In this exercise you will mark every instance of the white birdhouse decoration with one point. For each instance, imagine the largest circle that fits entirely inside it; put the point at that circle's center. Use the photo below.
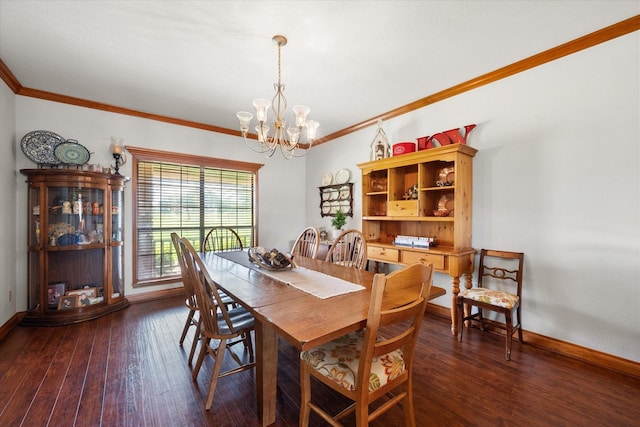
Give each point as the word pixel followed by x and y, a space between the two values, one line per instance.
pixel 380 148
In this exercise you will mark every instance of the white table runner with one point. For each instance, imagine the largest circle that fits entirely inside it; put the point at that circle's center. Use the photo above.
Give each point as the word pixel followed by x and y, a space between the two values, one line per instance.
pixel 314 282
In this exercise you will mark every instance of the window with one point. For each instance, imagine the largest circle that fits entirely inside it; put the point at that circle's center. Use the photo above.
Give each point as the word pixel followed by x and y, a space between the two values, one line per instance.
pixel 188 195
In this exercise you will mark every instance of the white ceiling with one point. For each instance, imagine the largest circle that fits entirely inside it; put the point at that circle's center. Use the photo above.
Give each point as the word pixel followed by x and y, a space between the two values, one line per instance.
pixel 348 61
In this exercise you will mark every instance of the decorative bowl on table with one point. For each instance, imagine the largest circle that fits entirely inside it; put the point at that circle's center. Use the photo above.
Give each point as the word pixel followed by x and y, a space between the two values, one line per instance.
pixel 273 259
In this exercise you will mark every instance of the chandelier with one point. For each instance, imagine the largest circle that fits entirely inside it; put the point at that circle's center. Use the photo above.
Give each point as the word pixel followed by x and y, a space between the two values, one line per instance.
pixel 287 139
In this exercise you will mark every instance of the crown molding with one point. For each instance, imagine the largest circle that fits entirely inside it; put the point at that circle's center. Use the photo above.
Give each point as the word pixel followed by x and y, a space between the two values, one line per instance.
pixel 611 32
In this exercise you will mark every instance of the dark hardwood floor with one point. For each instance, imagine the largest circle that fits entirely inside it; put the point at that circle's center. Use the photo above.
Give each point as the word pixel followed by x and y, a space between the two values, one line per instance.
pixel 126 369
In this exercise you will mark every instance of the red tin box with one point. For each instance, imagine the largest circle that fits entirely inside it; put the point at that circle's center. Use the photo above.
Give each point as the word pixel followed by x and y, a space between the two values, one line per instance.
pixel 403 148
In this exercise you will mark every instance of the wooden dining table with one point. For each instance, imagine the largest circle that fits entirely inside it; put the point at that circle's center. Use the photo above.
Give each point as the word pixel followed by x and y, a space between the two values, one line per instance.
pixel 282 310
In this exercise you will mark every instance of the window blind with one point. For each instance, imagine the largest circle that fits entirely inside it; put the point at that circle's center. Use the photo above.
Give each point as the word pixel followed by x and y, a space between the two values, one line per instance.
pixel 189 200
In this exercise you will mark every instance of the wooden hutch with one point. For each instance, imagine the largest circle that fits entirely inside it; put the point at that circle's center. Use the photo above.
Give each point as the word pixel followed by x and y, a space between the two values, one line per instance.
pixel 416 207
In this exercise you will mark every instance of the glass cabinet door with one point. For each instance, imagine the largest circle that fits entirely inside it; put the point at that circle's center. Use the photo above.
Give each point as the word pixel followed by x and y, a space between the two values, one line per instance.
pixel 34 244
pixel 75 221
pixel 75 216
pixel 34 226
pixel 117 236
pixel 116 216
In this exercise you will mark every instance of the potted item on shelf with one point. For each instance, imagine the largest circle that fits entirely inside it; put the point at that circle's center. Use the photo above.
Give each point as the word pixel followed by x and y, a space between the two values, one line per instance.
pixel 338 222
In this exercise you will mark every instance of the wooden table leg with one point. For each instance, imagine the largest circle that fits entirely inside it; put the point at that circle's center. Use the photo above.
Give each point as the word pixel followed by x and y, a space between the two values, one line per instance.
pixel 455 290
pixel 266 373
pixel 467 308
pixel 458 266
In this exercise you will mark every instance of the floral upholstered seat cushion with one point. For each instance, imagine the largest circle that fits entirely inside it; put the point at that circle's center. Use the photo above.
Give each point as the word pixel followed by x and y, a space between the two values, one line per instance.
pixel 338 360
pixel 501 299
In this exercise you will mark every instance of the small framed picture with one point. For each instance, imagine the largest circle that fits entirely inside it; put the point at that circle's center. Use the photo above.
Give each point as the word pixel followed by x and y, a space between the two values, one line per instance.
pixel 89 292
pixel 84 296
pixel 68 302
pixel 54 292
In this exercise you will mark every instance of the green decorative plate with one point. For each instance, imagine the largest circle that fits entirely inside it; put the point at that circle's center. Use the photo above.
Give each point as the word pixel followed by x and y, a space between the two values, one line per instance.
pixel 72 153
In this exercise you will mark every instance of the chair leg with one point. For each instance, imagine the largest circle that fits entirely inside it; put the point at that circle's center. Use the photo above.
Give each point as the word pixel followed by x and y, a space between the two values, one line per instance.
pixel 249 346
pixel 519 325
pixel 362 413
pixel 215 375
pixel 305 395
pixel 509 333
pixel 194 344
pixel 203 352
pixel 407 404
pixel 187 325
pixel 460 308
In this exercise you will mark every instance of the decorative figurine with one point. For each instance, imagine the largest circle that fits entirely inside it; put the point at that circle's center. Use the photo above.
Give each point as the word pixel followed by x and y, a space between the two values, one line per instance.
pixel 66 207
pixel 380 148
pixel 412 192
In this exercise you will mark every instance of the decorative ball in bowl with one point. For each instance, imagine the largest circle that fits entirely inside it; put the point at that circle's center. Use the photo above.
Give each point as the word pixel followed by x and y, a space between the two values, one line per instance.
pixel 439 212
pixel 271 260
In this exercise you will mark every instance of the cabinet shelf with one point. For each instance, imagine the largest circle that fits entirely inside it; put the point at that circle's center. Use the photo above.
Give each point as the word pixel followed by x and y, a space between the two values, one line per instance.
pixel 410 218
pixel 445 188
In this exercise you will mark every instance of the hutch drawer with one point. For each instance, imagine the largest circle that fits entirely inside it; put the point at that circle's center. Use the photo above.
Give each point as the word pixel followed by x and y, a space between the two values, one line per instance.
pixel 380 253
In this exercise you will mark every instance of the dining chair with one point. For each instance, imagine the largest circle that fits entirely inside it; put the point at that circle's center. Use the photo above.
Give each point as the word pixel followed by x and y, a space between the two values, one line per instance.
pixel 349 249
pixel 375 361
pixel 190 301
pixel 499 289
pixel 307 243
pixel 221 328
pixel 222 239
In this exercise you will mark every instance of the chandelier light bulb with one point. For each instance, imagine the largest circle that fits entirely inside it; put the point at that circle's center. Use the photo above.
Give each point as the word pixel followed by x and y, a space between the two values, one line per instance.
pixel 301 114
pixel 312 128
pixel 294 135
pixel 245 120
pixel 262 106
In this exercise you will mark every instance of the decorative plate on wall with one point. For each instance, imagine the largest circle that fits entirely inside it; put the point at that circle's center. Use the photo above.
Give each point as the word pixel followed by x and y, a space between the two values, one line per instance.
pixel 72 153
pixel 39 146
pixel 344 193
pixel 343 176
pixel 327 178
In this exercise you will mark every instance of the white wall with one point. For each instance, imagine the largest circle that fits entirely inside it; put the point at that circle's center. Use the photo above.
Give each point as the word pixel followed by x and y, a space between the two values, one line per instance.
pixel 8 193
pixel 281 183
pixel 557 177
